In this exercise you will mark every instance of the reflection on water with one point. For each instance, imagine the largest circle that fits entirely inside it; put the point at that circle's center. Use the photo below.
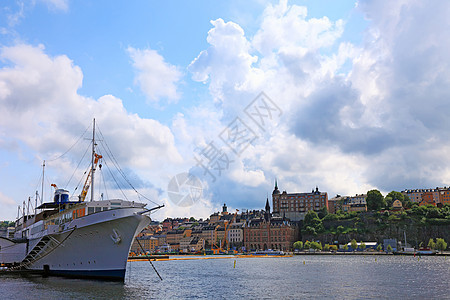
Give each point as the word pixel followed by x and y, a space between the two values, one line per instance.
pixel 349 277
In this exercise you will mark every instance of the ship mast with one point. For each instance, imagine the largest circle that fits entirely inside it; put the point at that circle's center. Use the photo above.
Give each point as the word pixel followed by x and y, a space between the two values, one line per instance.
pixel 43 173
pixel 92 162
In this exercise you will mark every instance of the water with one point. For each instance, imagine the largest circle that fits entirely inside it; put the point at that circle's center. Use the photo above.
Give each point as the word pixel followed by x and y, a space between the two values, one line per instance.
pixel 298 277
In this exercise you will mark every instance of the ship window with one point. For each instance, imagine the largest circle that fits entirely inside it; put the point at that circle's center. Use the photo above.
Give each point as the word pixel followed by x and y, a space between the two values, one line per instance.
pixel 64 198
pixel 90 210
pixel 97 209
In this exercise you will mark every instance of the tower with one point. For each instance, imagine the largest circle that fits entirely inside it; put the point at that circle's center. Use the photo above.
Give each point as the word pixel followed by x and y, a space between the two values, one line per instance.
pixel 267 210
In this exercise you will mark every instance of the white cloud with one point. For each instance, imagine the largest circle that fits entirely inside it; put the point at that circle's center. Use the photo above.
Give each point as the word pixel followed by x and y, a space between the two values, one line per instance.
pixel 226 63
pixel 156 78
pixel 61 5
pixel 356 112
pixel 43 113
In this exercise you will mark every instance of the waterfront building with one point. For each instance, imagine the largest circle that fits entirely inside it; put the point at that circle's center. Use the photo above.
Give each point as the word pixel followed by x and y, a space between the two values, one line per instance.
pixel 174 236
pixel 295 205
pixel 148 243
pixel 236 235
pixel 191 244
pixel 269 232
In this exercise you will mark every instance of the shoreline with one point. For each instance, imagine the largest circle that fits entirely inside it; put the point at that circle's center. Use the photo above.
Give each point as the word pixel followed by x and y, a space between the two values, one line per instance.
pixel 201 256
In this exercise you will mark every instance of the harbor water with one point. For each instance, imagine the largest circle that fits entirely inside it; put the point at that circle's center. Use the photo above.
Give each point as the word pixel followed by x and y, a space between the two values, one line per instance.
pixel 297 277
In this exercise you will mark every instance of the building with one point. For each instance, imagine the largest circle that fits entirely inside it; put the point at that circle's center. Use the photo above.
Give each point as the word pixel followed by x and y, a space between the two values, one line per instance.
pixel 354 203
pixel 347 203
pixel 335 204
pixel 148 243
pixel 294 206
pixel 268 232
pixel 424 196
pixel 236 235
pixel 444 195
pixel 397 205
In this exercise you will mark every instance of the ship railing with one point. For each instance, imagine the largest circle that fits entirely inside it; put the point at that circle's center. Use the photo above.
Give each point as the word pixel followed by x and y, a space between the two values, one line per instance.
pixel 43 248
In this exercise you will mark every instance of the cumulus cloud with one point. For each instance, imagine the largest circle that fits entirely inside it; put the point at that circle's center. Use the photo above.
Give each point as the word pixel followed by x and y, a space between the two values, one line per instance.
pixel 43 113
pixel 379 122
pixel 227 64
pixel 156 78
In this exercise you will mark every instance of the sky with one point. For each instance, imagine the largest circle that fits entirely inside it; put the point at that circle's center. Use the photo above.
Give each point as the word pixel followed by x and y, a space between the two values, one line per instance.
pixel 346 96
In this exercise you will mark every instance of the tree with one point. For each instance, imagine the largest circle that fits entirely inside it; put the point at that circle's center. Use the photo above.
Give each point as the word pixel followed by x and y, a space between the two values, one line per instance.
pixel 298 245
pixel 389 248
pixel 323 212
pixel 441 245
pixel 354 244
pixel 326 247
pixel 345 247
pixel 379 247
pixel 362 245
pixel 431 244
pixel 392 196
pixel 316 245
pixel 307 245
pixel 311 219
pixel 375 200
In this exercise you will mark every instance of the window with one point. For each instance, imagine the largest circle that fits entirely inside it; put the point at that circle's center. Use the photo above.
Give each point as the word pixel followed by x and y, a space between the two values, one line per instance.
pixel 90 210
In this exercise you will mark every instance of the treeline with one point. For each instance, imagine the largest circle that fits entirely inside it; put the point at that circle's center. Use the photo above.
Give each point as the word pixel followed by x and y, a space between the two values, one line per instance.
pixel 376 224
pixel 6 224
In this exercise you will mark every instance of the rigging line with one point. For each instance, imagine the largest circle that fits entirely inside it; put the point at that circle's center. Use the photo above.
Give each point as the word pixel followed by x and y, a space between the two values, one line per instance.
pixel 79 163
pixel 116 164
pixel 81 179
pixel 149 260
pixel 104 183
pixel 70 146
pixel 110 172
pixel 113 158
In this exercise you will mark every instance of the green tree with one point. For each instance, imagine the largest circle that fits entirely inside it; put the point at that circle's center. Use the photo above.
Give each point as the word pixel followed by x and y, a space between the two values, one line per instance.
pixel 394 195
pixel 345 247
pixel 389 248
pixel 354 244
pixel 307 245
pixel 363 245
pixel 431 244
pixel 311 219
pixel 323 212
pixel 326 247
pixel 441 245
pixel 379 247
pixel 375 200
pixel 298 245
pixel 316 245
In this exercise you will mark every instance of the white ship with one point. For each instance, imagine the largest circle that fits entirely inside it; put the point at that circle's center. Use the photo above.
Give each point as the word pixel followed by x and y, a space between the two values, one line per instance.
pixel 76 238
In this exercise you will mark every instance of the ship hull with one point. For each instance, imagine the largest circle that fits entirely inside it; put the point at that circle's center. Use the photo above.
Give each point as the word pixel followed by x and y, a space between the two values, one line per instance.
pixel 95 248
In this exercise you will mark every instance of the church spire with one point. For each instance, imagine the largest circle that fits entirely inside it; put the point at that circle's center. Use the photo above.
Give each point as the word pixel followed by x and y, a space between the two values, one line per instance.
pixel 275 190
pixel 267 205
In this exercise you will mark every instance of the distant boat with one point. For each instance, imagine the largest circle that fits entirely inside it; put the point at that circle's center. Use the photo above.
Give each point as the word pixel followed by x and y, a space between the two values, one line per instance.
pixel 71 237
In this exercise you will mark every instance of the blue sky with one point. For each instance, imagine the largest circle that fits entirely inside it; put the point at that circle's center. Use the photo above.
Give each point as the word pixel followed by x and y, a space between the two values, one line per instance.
pixel 362 87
